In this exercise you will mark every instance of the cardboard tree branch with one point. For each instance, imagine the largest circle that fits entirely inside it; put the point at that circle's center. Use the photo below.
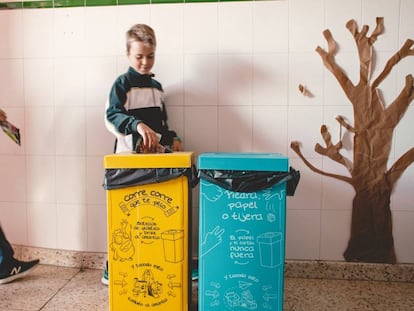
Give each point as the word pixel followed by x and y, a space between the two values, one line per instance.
pixel 371 227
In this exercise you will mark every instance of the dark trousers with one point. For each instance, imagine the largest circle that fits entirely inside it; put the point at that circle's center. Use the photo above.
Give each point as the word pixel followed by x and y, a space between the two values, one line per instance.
pixel 5 246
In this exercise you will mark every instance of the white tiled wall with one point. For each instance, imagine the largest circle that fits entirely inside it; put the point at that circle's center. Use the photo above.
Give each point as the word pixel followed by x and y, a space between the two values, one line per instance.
pixel 231 73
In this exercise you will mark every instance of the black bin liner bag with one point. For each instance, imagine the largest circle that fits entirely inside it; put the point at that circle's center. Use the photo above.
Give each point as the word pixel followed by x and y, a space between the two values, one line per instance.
pixel 251 181
pixel 126 177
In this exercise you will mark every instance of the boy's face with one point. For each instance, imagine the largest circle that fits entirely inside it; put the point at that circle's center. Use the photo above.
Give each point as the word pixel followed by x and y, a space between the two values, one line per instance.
pixel 141 57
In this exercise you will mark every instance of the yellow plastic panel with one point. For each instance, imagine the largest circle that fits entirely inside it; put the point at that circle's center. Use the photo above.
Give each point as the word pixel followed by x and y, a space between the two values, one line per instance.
pixel 148 246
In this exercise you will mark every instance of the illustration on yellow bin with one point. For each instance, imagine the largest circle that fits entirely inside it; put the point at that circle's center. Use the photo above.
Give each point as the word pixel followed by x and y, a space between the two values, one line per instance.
pixel 173 245
pixel 148 230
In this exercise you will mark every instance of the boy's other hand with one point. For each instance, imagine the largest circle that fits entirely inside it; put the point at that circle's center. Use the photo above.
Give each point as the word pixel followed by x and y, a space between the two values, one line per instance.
pixel 177 146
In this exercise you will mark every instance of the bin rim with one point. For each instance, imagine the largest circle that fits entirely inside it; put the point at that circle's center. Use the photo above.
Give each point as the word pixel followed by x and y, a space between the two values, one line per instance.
pixel 181 159
pixel 244 161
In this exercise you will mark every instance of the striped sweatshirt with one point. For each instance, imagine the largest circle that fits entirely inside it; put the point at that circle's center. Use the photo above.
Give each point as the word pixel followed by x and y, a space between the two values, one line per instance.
pixel 136 98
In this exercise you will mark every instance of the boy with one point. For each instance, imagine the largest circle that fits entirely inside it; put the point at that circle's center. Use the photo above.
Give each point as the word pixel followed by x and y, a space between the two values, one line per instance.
pixel 11 268
pixel 135 111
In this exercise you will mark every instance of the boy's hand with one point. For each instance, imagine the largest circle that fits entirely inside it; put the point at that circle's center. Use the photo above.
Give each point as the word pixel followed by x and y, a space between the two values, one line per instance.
pixel 3 116
pixel 177 145
pixel 149 138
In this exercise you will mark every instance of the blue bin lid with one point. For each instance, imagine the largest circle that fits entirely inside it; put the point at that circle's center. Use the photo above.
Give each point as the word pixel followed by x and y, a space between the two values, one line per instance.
pixel 246 161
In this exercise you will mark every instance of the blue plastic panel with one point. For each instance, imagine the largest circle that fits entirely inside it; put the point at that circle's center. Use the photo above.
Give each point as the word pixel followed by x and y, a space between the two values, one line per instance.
pixel 241 238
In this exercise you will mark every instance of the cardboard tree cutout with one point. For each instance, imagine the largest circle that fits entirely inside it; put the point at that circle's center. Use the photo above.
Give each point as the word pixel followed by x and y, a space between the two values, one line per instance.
pixel 371 237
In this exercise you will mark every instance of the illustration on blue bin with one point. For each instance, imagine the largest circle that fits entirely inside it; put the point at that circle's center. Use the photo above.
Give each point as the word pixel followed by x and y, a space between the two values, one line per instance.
pixel 211 240
pixel 270 249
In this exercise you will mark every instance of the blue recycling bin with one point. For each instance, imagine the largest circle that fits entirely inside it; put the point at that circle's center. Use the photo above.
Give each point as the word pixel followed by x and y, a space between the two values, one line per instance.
pixel 242 231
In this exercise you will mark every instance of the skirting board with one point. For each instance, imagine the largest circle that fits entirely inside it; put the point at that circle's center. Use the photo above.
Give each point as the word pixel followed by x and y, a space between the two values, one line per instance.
pixel 309 269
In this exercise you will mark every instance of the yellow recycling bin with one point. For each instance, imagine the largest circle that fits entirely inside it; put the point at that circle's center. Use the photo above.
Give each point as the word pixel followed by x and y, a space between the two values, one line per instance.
pixel 148 231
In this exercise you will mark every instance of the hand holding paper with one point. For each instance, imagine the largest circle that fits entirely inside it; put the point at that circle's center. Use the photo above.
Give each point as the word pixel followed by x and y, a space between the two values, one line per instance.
pixel 8 128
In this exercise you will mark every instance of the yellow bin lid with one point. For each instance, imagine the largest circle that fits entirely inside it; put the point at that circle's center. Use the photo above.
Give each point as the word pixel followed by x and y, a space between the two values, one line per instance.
pixel 148 160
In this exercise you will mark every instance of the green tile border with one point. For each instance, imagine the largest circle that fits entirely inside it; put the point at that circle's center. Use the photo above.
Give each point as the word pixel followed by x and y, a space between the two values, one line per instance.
pixel 45 4
pixel 129 2
pixel 38 4
pixel 200 1
pixel 11 5
pixel 68 3
pixel 100 2
pixel 166 1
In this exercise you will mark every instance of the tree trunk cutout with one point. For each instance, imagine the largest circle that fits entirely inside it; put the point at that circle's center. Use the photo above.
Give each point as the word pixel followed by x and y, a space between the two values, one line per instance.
pixel 371 237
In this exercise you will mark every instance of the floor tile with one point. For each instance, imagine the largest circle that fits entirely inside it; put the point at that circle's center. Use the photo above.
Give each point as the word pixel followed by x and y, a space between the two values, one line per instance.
pixel 54 288
pixel 36 289
pixel 84 292
pixel 341 295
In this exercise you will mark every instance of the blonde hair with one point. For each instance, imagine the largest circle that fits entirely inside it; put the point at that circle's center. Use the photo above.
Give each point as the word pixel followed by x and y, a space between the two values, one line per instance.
pixel 141 33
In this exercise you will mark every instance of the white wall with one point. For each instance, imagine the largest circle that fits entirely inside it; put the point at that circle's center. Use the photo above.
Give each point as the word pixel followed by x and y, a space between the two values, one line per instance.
pixel 231 73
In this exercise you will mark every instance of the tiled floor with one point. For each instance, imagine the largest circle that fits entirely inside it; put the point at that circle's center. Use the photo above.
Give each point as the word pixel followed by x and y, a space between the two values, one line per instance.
pixel 61 288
